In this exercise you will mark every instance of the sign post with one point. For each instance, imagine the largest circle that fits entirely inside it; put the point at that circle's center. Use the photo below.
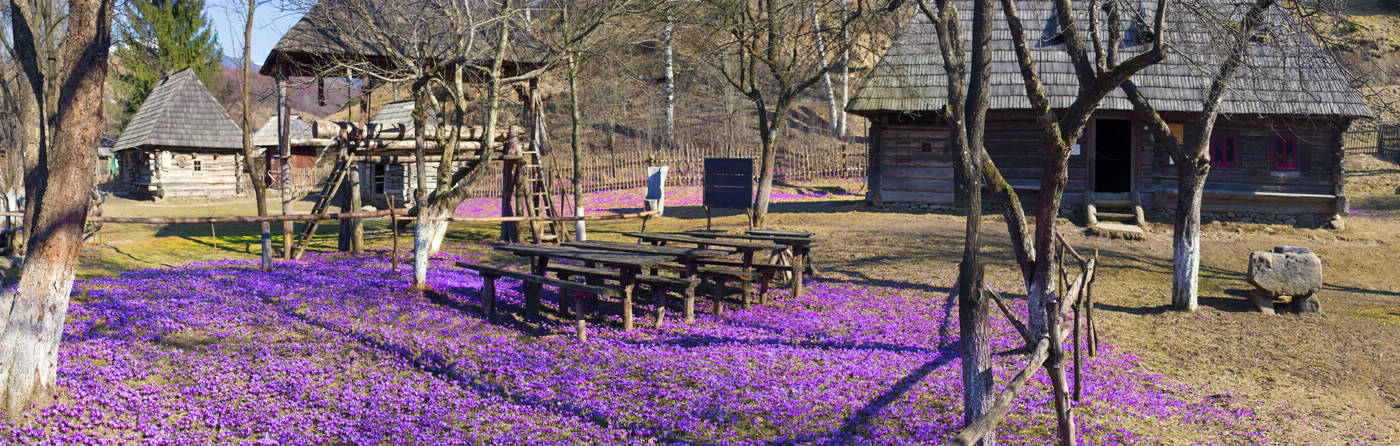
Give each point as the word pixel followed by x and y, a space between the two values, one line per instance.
pixel 728 185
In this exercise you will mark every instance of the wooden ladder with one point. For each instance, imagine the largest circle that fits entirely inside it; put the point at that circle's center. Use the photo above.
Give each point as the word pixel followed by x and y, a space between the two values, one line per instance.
pixel 537 198
pixel 328 193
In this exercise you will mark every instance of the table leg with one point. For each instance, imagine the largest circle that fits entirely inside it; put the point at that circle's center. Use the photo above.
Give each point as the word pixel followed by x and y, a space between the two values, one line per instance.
pixel 692 266
pixel 807 258
pixel 659 292
pixel 580 324
pixel 718 295
pixel 564 295
pixel 797 269
pixel 592 280
pixel 532 290
pixel 488 297
pixel 628 281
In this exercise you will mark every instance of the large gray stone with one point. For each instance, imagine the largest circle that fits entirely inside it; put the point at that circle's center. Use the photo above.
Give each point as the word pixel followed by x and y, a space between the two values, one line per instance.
pixel 1290 274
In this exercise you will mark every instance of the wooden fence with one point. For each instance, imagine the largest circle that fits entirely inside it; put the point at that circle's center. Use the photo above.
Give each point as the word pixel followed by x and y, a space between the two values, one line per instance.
pixel 1381 140
pixel 832 158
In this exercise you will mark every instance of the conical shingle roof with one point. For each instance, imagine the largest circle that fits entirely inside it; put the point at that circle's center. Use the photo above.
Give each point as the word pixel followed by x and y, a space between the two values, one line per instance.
pixel 181 113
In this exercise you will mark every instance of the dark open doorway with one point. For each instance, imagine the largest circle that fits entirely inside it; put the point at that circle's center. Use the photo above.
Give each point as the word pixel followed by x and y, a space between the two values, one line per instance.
pixel 1113 156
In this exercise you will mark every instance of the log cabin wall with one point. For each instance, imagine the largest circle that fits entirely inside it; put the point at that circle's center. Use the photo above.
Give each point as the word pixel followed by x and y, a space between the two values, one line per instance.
pixel 190 174
pixel 136 175
pixel 910 162
pixel 1254 185
pixel 398 180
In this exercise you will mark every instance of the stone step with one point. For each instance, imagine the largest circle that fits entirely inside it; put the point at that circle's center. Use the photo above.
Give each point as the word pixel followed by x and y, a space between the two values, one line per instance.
pixel 1118 231
pixel 1102 203
pixel 1116 216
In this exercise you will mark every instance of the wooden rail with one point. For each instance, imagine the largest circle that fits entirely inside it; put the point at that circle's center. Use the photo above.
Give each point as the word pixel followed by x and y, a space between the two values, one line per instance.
pixel 397 214
pixel 1047 351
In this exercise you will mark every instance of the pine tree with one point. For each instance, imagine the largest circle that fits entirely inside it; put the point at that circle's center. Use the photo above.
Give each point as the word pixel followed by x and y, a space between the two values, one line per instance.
pixel 160 37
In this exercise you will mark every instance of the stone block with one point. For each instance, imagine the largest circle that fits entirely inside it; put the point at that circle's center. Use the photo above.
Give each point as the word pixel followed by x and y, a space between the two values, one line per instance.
pixel 1305 304
pixel 1262 300
pixel 1285 274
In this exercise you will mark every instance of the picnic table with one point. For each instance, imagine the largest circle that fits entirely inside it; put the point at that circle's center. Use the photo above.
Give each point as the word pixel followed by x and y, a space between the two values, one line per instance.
pixel 800 242
pixel 744 247
pixel 690 257
pixel 628 264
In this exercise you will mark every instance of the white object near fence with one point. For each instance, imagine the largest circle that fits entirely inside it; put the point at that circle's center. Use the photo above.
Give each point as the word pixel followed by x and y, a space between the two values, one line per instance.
pixel 580 226
pixel 656 189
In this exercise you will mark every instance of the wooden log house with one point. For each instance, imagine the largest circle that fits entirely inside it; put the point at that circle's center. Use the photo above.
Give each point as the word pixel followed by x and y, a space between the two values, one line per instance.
pixel 332 41
pixel 310 159
pixel 1276 150
pixel 180 144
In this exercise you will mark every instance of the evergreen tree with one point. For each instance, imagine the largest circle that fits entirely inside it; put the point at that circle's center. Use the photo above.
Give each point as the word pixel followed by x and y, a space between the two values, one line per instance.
pixel 160 37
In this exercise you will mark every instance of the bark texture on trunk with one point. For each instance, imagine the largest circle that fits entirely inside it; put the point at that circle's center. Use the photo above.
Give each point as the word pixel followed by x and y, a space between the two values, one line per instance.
pixel 34 312
pixel 256 174
pixel 668 54
pixel 833 111
pixel 973 311
pixel 768 129
pixel 1186 240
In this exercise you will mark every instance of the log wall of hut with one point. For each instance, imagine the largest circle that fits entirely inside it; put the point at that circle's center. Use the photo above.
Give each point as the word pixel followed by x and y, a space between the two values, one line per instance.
pixel 174 173
pixel 395 180
pixel 911 162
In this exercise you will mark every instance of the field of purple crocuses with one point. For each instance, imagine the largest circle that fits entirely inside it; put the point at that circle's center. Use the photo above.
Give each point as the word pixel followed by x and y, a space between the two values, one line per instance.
pixel 342 350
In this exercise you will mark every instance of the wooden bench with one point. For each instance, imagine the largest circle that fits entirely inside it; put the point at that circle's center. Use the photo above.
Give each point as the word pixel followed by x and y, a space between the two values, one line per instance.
pixel 721 276
pixel 491 272
pixel 660 286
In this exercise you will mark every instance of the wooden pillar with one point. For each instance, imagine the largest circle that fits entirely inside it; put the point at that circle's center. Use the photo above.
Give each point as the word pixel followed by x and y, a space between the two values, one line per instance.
pixel 284 154
pixel 352 232
pixel 357 226
pixel 509 231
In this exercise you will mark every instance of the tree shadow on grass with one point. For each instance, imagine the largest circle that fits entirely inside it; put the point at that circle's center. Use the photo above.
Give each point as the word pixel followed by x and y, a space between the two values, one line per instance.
pixel 438 365
pixel 866 414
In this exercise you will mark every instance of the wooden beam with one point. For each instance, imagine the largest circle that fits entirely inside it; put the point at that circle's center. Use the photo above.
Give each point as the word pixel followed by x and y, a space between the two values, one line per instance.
pixel 975 431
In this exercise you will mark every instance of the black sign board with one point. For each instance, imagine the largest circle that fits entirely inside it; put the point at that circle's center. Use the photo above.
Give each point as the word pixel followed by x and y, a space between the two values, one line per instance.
pixel 729 183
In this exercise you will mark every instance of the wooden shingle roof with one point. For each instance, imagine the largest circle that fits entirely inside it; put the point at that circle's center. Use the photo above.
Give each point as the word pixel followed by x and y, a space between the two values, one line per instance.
pixel 1285 73
pixel 401 112
pixel 266 135
pixel 181 113
pixel 375 33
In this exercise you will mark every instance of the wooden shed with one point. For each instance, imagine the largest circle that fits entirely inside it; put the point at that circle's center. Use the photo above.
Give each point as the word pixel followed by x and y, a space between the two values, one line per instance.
pixel 310 159
pixel 384 178
pixel 1276 150
pixel 180 144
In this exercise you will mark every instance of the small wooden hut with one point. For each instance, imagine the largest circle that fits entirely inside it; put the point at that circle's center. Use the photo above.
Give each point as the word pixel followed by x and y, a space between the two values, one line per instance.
pixel 308 158
pixel 1276 153
pixel 180 144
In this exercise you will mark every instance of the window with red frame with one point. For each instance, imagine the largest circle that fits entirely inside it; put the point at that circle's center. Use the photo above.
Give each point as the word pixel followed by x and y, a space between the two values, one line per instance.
pixel 1223 153
pixel 1284 154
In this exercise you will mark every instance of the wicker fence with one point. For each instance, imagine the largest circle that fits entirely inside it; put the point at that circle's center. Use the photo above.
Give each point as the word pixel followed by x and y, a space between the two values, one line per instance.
pixel 831 158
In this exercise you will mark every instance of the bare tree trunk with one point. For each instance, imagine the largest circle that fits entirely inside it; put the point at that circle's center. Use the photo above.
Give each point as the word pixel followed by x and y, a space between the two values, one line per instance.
pixel 35 311
pixel 1186 239
pixel 833 111
pixel 256 174
pixel 283 153
pixel 979 391
pixel 575 141
pixel 421 231
pixel 769 134
pixel 845 71
pixel 669 55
